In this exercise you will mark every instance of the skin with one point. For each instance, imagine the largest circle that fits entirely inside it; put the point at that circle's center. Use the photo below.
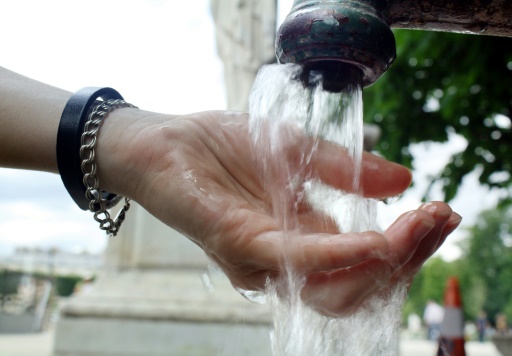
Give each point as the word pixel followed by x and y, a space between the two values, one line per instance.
pixel 196 173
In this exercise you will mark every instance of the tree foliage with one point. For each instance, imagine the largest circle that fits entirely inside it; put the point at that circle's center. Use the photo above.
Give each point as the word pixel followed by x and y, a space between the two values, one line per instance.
pixel 488 256
pixel 484 270
pixel 428 285
pixel 445 83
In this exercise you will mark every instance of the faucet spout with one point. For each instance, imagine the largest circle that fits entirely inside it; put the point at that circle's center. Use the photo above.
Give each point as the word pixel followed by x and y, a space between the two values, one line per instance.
pixel 350 32
pixel 335 76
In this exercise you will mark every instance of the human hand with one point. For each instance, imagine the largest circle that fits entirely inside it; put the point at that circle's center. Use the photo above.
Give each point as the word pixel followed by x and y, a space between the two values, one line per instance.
pixel 197 174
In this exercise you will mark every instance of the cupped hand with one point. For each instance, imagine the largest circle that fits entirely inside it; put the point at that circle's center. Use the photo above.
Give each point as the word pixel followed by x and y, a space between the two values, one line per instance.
pixel 197 174
pixel 410 241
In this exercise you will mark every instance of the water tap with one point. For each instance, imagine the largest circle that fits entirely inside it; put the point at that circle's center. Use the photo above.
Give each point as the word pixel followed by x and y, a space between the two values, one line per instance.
pixel 350 41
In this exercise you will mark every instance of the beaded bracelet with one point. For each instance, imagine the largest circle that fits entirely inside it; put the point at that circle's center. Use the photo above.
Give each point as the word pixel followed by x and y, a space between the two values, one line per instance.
pixel 76 140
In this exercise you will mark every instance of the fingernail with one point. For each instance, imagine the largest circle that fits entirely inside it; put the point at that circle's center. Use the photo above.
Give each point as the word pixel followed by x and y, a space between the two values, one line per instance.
pixel 427 206
pixel 457 217
pixel 452 224
pixel 432 208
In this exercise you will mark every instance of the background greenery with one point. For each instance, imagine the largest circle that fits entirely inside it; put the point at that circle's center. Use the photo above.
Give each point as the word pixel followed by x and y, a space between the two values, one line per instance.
pixel 64 284
pixel 443 84
pixel 470 78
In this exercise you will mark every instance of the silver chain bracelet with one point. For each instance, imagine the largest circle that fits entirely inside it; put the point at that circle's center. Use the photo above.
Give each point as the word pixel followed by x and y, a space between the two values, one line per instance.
pixel 95 196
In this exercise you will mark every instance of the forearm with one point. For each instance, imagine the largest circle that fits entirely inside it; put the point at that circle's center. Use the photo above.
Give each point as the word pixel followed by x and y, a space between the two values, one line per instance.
pixel 29 118
pixel 30 112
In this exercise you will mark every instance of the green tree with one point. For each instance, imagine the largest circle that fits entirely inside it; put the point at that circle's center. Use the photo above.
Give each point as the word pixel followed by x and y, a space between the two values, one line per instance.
pixel 429 283
pixel 488 258
pixel 473 288
pixel 66 285
pixel 437 271
pixel 445 83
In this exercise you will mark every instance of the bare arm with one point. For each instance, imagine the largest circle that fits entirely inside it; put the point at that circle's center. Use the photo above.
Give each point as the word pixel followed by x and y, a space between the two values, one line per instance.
pixel 29 118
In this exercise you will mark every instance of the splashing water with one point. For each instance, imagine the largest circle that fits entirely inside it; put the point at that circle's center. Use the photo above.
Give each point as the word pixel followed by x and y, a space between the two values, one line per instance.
pixel 286 116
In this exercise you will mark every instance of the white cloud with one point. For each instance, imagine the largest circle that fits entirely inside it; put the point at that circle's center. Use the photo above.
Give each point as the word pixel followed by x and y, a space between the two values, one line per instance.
pixel 161 55
pixel 36 211
pixel 283 8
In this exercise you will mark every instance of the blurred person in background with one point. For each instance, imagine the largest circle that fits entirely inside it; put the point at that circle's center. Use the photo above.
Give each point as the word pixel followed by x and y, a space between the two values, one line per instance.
pixel 433 317
pixel 482 323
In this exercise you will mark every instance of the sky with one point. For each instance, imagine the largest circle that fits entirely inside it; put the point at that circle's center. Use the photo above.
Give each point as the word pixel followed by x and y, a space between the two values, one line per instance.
pixel 161 56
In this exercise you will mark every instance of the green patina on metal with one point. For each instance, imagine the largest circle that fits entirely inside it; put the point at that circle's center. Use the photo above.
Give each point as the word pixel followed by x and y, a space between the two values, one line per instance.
pixel 351 32
pixel 356 33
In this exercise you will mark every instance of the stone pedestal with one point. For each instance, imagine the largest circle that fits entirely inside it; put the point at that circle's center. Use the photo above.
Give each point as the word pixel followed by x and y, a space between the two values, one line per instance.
pixel 157 296
pixel 153 338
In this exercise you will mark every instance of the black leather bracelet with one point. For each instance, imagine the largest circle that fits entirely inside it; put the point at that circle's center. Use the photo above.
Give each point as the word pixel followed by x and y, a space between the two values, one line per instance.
pixel 71 127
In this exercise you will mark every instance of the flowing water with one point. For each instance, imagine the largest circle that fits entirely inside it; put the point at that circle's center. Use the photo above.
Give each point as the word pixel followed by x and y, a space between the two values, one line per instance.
pixel 288 117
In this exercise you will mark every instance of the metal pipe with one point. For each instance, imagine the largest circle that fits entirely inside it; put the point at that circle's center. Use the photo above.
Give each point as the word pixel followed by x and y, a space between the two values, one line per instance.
pixel 487 17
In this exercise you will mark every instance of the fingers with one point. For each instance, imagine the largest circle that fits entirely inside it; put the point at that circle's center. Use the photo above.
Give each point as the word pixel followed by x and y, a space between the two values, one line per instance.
pixel 445 224
pixel 406 234
pixel 451 225
pixel 323 252
pixel 314 222
pixel 249 261
pixel 379 177
pixel 304 156
pixel 271 253
pixel 382 178
pixel 342 270
pixel 412 239
pixel 341 292
pixel 441 213
pixel 351 286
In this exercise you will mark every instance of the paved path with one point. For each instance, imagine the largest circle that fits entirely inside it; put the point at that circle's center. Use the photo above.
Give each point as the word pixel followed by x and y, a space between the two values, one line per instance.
pixel 429 348
pixel 41 345
pixel 26 344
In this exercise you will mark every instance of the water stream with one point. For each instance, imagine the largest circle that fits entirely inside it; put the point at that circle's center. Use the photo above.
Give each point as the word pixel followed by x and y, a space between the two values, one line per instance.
pixel 288 117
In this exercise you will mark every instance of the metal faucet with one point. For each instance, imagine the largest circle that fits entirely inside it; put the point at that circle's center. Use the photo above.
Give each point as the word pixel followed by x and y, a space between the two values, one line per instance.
pixel 351 41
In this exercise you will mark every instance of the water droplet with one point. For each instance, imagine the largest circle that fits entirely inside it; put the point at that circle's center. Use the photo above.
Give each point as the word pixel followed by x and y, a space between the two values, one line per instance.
pixel 253 296
pixel 207 282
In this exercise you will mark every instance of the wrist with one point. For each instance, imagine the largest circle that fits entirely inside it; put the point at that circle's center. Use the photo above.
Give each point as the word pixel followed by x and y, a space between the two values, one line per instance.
pixel 124 150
